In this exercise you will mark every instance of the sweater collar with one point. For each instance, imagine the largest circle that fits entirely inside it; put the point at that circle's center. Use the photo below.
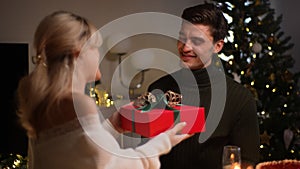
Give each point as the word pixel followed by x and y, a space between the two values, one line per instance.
pixel 203 76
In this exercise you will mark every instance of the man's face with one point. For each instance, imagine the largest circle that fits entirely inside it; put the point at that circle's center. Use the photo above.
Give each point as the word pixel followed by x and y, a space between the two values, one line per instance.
pixel 195 45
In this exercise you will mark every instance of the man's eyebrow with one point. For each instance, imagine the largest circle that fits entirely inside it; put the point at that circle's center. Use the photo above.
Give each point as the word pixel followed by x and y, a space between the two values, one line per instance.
pixel 198 37
pixel 181 33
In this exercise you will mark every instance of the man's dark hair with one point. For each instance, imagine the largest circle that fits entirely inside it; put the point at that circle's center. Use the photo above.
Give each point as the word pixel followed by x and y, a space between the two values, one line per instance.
pixel 210 15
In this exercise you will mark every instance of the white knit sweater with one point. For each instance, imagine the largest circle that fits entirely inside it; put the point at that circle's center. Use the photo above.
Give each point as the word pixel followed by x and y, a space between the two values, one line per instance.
pixel 85 143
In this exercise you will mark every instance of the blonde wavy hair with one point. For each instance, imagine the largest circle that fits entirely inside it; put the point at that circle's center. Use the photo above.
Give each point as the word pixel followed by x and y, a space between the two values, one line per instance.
pixel 58 39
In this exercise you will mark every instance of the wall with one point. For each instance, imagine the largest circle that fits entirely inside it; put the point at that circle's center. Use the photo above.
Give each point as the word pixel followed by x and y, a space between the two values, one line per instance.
pixel 290 11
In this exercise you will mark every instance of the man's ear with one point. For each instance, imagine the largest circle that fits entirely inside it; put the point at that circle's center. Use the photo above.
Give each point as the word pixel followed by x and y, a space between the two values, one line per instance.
pixel 218 46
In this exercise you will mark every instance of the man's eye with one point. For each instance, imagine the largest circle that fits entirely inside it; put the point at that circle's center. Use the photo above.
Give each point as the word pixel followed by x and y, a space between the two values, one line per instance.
pixel 197 41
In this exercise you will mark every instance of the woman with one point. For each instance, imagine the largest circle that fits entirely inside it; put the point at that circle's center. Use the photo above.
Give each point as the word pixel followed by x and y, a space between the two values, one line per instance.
pixel 63 125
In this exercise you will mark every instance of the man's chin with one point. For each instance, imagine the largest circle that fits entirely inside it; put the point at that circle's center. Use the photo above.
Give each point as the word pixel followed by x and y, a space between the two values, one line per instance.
pixel 190 66
pixel 186 65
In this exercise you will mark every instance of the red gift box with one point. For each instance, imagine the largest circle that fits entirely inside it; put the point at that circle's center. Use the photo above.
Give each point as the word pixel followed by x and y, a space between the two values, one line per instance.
pixel 151 123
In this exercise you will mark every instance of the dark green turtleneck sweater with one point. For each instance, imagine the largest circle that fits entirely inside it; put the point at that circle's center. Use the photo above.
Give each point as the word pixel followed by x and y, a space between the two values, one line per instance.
pixel 238 123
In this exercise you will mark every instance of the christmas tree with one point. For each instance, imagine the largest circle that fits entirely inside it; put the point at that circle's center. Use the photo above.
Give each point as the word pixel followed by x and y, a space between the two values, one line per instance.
pixel 256 53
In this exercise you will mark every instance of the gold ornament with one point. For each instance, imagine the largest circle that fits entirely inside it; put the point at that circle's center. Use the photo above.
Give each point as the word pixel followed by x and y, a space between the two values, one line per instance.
pixel 173 98
pixel 145 99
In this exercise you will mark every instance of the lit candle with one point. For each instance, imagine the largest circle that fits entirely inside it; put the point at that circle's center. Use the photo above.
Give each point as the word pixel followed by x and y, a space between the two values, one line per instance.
pixel 236 166
pixel 232 166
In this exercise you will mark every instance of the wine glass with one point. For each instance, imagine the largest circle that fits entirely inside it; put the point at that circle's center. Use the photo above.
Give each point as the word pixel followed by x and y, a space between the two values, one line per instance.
pixel 231 157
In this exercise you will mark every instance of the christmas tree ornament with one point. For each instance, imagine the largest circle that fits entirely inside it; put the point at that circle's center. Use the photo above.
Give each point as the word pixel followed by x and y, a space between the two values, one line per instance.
pixel 265 138
pixel 256 47
pixel 287 137
pixel 271 39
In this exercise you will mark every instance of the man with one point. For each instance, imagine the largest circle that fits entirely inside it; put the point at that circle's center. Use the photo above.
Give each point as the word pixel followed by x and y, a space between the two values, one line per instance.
pixel 232 123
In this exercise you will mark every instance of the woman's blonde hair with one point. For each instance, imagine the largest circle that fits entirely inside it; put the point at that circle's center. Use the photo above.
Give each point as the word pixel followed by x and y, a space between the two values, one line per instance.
pixel 58 40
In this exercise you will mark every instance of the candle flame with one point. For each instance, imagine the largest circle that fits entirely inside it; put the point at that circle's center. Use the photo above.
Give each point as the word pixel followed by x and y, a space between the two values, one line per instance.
pixel 232 156
pixel 237 167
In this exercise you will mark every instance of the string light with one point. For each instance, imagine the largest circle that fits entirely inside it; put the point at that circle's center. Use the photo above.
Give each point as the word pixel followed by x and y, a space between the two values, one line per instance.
pixel 225 58
pixel 259 23
pixel 101 97
pixel 230 38
pixel 92 92
pixel 247 20
pixel 13 161
pixel 249 60
pixel 270 53
pixel 229 5
pixel 16 163
pixel 228 18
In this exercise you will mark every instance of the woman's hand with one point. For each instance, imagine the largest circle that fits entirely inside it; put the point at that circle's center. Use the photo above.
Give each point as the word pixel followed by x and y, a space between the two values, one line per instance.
pixel 115 121
pixel 176 138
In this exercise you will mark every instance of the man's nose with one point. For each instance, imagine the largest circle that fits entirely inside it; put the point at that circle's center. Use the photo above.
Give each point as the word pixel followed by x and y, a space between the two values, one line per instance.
pixel 187 46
